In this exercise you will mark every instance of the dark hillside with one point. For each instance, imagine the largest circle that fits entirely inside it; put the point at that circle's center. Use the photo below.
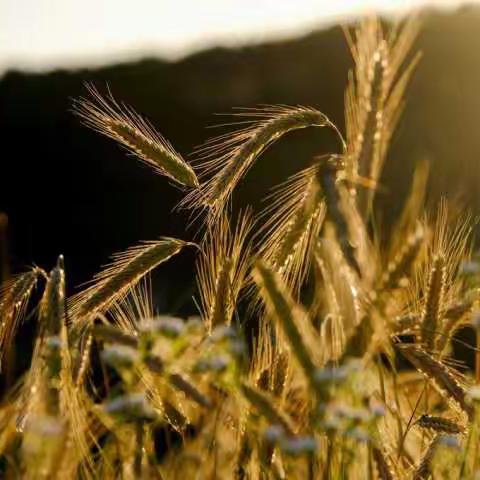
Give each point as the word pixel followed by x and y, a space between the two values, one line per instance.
pixel 67 190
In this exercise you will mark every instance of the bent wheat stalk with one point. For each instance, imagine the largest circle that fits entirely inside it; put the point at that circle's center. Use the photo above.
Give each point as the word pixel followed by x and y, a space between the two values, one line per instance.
pixel 239 151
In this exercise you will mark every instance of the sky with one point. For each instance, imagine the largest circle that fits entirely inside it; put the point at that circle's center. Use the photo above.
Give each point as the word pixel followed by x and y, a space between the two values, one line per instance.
pixel 46 34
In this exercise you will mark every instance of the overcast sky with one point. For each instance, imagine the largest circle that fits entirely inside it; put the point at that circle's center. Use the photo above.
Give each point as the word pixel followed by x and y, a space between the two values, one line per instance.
pixel 44 34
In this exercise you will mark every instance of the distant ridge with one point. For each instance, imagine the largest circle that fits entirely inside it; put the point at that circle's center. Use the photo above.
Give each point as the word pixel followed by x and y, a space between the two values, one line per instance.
pixel 109 202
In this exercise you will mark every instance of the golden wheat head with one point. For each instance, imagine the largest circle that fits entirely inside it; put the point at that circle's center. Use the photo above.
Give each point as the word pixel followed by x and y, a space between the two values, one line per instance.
pixel 122 124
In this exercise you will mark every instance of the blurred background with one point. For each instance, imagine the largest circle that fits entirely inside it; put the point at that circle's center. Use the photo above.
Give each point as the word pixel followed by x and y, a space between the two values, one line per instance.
pixel 65 189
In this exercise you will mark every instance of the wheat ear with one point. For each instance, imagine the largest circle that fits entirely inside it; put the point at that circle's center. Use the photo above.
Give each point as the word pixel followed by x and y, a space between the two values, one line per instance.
pixel 439 424
pixel 127 269
pixel 229 157
pixel 265 404
pixel 137 135
pixel 327 176
pixel 65 398
pixel 423 470
pixel 270 365
pixel 453 317
pixel 48 390
pixel 412 209
pixel 399 267
pixel 374 97
pixel 292 225
pixel 433 309
pixel 222 269
pixel 340 312
pixel 53 320
pixel 52 307
pixel 14 298
pixel 372 132
pixel 439 374
pixel 383 468
pixel 290 316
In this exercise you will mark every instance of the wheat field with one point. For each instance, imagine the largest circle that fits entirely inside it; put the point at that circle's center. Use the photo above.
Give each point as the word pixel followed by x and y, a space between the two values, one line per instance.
pixel 348 371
